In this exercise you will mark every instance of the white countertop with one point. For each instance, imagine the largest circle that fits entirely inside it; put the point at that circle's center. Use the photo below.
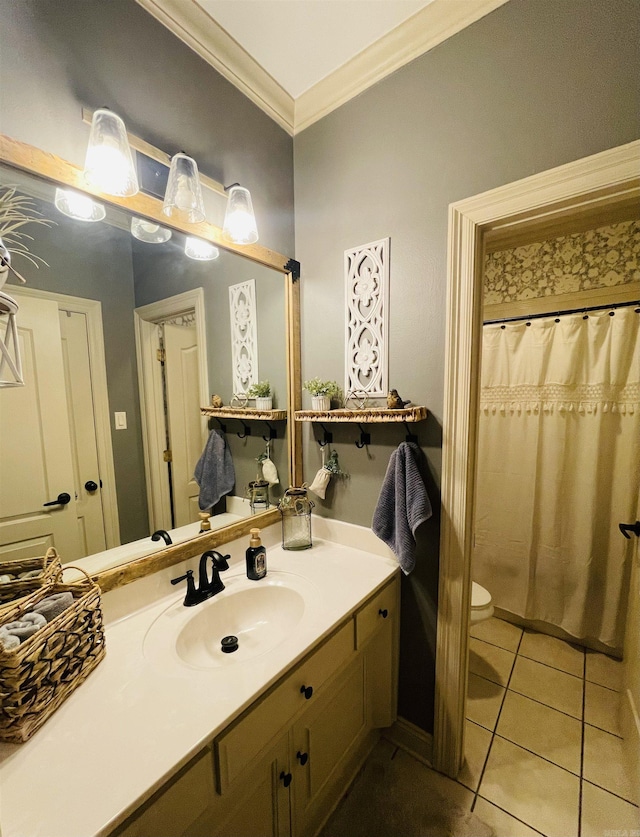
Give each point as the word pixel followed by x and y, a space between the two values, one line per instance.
pixel 131 725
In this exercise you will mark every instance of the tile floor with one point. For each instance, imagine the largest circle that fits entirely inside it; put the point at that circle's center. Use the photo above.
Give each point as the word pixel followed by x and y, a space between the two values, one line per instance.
pixel 543 747
pixel 543 753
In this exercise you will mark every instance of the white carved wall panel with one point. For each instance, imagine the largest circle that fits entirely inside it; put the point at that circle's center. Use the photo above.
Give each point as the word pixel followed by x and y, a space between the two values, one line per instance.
pixel 366 272
pixel 244 337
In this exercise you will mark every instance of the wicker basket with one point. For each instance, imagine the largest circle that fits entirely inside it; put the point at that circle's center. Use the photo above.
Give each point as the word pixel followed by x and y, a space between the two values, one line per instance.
pixel 38 675
pixel 11 591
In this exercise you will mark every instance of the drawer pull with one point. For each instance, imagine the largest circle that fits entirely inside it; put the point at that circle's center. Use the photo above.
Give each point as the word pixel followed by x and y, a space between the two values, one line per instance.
pixel 286 778
pixel 307 691
pixel 384 613
pixel 303 758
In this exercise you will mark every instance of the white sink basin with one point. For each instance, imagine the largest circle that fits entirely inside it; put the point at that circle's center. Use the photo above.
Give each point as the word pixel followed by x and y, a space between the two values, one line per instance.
pixel 261 614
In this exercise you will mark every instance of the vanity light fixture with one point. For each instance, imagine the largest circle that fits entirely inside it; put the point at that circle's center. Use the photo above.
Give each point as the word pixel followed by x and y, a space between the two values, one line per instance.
pixel 183 198
pixel 239 220
pixel 149 232
pixel 78 206
pixel 109 164
pixel 197 248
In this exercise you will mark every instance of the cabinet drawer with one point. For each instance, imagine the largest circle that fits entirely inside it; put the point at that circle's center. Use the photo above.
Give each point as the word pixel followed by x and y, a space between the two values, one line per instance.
pixel 378 611
pixel 236 748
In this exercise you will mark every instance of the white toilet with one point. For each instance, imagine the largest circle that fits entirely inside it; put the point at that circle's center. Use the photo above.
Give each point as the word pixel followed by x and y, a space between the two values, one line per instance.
pixel 481 606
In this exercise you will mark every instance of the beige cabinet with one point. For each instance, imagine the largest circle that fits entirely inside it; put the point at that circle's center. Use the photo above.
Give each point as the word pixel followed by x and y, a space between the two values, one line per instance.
pixel 280 769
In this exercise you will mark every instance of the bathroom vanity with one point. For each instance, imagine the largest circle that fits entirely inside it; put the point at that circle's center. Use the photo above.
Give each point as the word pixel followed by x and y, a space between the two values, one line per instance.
pixel 170 738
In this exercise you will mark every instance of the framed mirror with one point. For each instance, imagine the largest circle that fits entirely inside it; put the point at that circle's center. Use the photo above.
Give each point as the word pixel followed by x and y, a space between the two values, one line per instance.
pixel 123 341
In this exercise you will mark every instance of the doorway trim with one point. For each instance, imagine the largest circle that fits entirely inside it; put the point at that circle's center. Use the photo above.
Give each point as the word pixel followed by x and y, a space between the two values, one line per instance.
pixel 92 309
pixel 590 187
pixel 146 318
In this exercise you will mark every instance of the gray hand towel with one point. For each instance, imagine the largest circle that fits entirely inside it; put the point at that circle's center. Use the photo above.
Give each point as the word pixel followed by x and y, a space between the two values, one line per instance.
pixel 8 641
pixel 403 504
pixel 25 627
pixel 54 605
pixel 214 472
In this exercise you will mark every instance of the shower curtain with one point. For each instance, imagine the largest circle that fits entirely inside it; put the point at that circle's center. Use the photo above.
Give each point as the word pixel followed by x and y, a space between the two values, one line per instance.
pixel 558 469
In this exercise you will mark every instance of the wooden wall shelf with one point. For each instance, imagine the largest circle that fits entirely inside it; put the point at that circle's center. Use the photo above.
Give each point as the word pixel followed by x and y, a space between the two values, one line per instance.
pixel 368 416
pixel 244 413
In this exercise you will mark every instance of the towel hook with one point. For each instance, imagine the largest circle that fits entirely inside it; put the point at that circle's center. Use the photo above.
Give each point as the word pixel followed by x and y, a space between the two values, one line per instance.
pixel 246 432
pixel 273 433
pixel 328 437
pixel 411 437
pixel 365 438
pixel 223 427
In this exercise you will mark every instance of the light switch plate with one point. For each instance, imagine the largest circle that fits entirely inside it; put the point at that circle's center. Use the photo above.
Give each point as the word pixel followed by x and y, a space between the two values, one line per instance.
pixel 121 421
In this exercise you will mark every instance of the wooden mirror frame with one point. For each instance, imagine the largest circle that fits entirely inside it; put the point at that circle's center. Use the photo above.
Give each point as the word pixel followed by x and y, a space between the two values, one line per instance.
pixel 30 159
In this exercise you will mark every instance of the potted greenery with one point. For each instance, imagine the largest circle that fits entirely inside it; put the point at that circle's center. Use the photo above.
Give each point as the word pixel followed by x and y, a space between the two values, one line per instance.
pixel 262 394
pixel 17 210
pixel 321 393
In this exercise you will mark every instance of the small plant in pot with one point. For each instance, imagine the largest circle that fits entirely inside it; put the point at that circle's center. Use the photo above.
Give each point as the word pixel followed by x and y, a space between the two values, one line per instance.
pixel 262 394
pixel 321 393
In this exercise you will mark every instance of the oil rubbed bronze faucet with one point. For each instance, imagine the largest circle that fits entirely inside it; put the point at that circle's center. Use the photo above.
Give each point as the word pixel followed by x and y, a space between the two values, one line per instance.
pixel 162 533
pixel 206 587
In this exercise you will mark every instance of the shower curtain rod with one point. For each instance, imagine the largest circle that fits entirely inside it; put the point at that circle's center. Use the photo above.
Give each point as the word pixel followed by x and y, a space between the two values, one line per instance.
pixel 560 313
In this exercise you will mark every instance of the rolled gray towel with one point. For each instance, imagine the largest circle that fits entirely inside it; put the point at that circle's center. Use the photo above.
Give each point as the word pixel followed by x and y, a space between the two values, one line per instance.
pixel 25 627
pixel 31 574
pixel 8 641
pixel 53 605
pixel 5 579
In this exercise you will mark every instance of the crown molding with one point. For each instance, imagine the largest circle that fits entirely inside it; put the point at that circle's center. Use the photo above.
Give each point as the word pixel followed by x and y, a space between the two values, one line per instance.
pixel 199 31
pixel 418 34
pixel 426 29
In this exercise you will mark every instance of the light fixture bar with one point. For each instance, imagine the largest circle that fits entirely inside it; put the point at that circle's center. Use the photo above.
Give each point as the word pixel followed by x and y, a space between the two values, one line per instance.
pixel 156 154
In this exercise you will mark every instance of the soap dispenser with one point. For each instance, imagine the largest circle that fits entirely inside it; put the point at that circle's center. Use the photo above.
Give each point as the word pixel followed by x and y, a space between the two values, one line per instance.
pixel 256 557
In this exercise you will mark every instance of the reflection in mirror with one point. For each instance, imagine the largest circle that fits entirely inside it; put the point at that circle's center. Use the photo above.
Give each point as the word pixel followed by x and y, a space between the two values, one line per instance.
pixel 123 341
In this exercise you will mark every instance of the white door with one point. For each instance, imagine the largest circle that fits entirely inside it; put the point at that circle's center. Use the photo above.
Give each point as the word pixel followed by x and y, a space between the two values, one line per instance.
pixel 630 706
pixel 35 447
pixel 84 446
pixel 185 424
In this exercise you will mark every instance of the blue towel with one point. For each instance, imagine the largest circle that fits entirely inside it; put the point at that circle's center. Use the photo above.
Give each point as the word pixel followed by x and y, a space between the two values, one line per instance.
pixel 214 472
pixel 403 504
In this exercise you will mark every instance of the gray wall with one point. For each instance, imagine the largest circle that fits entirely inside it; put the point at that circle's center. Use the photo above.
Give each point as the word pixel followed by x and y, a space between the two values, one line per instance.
pixel 535 84
pixel 59 56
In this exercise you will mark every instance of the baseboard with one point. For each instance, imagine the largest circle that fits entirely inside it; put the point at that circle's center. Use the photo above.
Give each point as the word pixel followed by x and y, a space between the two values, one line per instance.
pixel 630 723
pixel 411 738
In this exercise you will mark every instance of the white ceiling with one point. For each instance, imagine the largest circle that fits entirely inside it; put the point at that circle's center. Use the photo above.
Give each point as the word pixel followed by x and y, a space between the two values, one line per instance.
pixel 300 59
pixel 300 42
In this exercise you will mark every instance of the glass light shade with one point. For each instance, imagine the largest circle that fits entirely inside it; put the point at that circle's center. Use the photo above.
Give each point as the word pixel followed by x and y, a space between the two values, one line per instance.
pixel 78 206
pixel 201 250
pixel 183 198
pixel 239 220
pixel 147 231
pixel 109 164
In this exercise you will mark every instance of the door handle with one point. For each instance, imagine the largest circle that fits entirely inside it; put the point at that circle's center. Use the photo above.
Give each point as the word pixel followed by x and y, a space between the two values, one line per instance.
pixel 625 528
pixel 286 778
pixel 90 485
pixel 64 498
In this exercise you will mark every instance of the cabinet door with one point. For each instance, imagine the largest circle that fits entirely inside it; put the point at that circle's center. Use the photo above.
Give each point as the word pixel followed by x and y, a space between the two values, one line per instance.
pixel 261 800
pixel 377 632
pixel 324 747
pixel 172 811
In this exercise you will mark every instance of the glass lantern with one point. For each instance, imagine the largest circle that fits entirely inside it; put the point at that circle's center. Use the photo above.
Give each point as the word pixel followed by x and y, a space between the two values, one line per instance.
pixel 258 495
pixel 295 509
